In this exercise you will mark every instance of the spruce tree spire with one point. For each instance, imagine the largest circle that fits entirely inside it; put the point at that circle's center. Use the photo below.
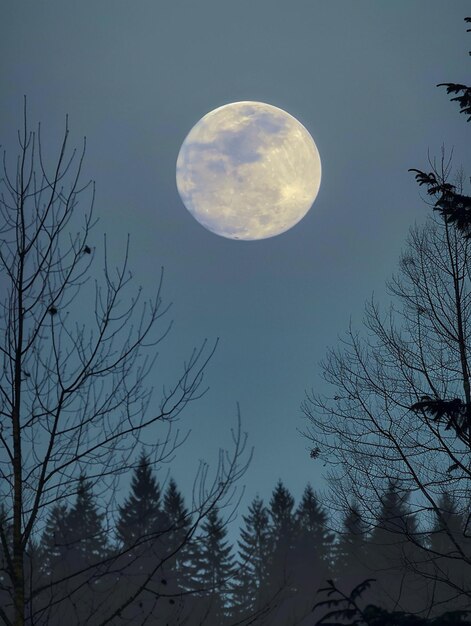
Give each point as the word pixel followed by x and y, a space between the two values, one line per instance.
pixel 140 516
pixel 87 538
pixel 254 553
pixel 216 565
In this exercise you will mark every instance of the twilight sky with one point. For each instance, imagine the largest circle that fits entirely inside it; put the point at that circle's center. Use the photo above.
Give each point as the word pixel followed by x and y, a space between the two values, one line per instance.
pixel 134 78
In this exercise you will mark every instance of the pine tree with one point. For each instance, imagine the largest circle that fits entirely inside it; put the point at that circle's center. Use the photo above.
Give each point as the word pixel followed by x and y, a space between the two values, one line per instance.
pixel 312 523
pixel 178 537
pixel 392 551
pixel 447 532
pixel 142 530
pixel 350 548
pixel 55 541
pixel 254 554
pixel 312 553
pixel 73 541
pixel 140 517
pixel 281 582
pixel 448 543
pixel 87 539
pixel 283 530
pixel 350 567
pixel 216 566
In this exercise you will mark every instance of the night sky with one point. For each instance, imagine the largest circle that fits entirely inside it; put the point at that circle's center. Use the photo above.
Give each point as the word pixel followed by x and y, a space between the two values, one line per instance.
pixel 134 77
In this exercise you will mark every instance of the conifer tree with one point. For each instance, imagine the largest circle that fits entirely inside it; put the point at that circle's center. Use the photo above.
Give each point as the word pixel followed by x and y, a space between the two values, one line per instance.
pixel 140 516
pixel 313 528
pixel 448 541
pixel 448 528
pixel 281 513
pixel 74 540
pixel 142 532
pixel 55 541
pixel 281 581
pixel 216 566
pixel 87 537
pixel 254 554
pixel 312 551
pixel 393 553
pixel 350 548
pixel 179 535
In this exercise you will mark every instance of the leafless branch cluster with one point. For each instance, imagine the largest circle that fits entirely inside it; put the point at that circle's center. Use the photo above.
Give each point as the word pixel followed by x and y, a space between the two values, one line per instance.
pixel 76 351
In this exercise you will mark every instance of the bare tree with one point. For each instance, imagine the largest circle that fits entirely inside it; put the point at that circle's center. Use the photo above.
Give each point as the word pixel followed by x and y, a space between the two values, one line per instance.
pixel 373 427
pixel 75 353
pixel 400 406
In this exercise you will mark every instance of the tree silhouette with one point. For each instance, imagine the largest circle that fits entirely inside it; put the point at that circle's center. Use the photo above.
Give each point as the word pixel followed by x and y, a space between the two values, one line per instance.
pixel 400 392
pixel 282 560
pixel 250 586
pixel 72 393
pixel 140 517
pixel 73 545
pixel 216 567
pixel 312 524
pixel 350 547
pixel 392 551
pixel 87 537
pixel 55 540
pixel 312 552
pixel 179 536
pixel 283 530
pixel 446 565
pixel 341 608
pixel 454 207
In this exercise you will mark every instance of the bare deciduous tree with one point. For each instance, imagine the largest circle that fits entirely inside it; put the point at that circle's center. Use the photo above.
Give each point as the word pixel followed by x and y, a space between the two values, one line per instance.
pixel 400 407
pixel 75 354
pixel 372 427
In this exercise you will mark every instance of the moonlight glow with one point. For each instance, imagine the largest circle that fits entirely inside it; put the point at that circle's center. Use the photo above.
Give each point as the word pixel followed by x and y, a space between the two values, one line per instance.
pixel 248 170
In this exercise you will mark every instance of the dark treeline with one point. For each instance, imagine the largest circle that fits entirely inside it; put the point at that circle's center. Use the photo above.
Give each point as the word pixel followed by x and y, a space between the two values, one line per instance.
pixel 284 554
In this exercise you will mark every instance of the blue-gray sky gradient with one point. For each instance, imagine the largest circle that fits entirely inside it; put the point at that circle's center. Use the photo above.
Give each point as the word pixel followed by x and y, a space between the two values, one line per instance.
pixel 135 77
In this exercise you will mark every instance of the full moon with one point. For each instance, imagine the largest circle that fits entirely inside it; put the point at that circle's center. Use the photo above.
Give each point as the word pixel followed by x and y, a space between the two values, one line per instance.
pixel 248 170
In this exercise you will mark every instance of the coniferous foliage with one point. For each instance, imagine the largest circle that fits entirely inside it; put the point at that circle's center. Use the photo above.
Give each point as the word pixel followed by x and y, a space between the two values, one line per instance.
pixel 350 557
pixel 352 539
pixel 455 208
pixel 268 585
pixel 249 593
pixel 340 605
pixel 178 537
pixel 449 543
pixel 342 608
pixel 393 552
pixel 216 567
pixel 143 533
pixel 455 413
pixel 283 532
pixel 140 516
pixel 312 554
pixel 394 516
pixel 87 537
pixel 312 521
pixel 55 540
pixel 462 93
pixel 73 544
pixel 282 580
